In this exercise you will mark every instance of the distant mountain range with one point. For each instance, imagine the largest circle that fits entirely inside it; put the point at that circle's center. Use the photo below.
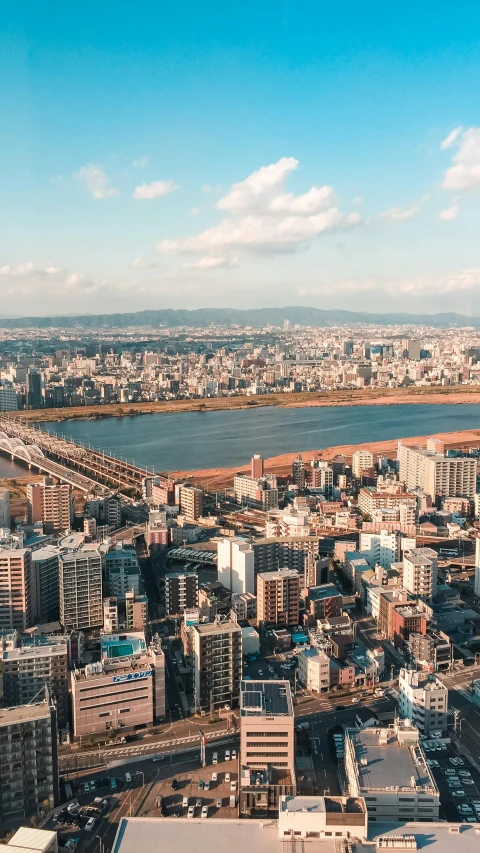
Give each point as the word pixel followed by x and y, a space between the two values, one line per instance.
pixel 204 317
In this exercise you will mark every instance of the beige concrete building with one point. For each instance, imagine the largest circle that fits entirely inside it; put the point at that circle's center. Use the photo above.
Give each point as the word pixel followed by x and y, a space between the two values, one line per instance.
pixel 50 503
pixel 423 699
pixel 190 501
pixel 267 745
pixel 314 670
pixel 362 460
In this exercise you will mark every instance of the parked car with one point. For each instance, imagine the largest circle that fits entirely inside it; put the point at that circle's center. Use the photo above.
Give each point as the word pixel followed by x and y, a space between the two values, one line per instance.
pixel 204 811
pixel 234 754
pixel 191 811
pixel 90 824
pixel 227 755
pixel 227 777
pixel 214 777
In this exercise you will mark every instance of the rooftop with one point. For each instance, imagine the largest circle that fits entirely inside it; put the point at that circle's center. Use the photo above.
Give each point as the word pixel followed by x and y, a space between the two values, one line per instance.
pixel 24 714
pixel 162 835
pixel 27 838
pixel 266 699
pixel 34 651
pixel 317 593
pixel 383 763
pixel 319 805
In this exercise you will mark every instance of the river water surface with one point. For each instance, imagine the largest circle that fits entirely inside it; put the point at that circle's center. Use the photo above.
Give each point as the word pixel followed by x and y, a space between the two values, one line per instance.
pixel 192 440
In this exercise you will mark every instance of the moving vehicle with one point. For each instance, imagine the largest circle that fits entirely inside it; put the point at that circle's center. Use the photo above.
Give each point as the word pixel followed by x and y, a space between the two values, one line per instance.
pixel 90 824
pixel 159 758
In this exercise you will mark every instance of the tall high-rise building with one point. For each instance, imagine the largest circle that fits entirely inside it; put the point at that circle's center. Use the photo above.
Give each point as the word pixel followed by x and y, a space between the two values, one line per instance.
pixel 278 595
pixel 4 509
pixel 46 584
pixel 15 589
pixel 436 474
pixel 423 699
pixel 235 565
pixel 321 476
pixel 217 653
pixel 181 592
pixel 256 467
pixel 28 759
pixel 50 503
pixel 81 589
pixel 420 568
pixel 34 390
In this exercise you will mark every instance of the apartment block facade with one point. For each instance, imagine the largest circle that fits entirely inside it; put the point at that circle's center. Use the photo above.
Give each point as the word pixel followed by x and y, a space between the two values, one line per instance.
pixel 81 589
pixel 49 503
pixel 28 759
pixel 217 655
pixel 423 699
pixel 15 589
pixel 29 668
pixel 181 592
pixel 278 597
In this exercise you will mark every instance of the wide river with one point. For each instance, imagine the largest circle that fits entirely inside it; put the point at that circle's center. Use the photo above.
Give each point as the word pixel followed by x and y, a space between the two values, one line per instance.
pixel 192 440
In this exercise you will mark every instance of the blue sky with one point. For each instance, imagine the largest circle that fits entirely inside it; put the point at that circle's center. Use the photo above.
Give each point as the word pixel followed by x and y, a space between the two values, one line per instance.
pixel 274 153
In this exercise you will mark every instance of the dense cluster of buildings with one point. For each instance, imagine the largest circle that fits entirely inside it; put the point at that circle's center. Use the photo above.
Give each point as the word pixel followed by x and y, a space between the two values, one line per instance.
pixel 221 362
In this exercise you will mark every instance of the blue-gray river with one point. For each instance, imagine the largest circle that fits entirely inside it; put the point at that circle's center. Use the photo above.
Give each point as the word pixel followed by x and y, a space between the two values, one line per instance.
pixel 193 440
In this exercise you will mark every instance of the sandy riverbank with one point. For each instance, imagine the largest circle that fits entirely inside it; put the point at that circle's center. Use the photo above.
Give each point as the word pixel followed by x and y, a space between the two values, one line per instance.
pixel 365 397
pixel 219 478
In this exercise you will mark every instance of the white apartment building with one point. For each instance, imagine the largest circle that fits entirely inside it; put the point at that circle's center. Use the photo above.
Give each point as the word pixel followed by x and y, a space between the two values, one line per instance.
pixel 435 473
pixel 81 589
pixel 385 547
pixel 235 565
pixel 420 569
pixel 288 522
pixel 361 460
pixel 423 699
pixel 314 670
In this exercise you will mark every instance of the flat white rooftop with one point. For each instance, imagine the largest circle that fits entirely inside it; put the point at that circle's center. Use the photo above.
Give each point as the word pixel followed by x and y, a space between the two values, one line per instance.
pixel 164 835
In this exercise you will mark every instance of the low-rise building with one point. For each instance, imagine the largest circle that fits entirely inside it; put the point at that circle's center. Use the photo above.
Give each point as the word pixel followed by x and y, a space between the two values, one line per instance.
pixel 388 768
pixel 314 670
pixel 118 692
pixel 311 818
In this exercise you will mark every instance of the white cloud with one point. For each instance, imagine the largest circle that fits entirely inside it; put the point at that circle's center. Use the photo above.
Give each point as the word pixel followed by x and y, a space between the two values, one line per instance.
pixel 398 214
pixel 97 181
pixel 140 263
pixel 252 192
pixel 357 200
pixel 465 173
pixel 449 213
pixel 51 281
pixel 464 281
pixel 265 219
pixel 194 211
pixel 141 162
pixel 451 138
pixel 211 263
pixel 157 189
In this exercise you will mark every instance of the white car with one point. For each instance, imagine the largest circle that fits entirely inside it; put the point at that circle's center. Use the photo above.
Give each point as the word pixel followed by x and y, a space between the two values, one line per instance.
pixel 214 777
pixel 90 824
pixel 227 777
pixel 234 753
pixel 191 811
pixel 227 755
pixel 204 811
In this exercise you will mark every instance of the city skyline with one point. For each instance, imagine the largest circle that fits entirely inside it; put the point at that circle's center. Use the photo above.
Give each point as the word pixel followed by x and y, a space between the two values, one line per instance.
pixel 250 157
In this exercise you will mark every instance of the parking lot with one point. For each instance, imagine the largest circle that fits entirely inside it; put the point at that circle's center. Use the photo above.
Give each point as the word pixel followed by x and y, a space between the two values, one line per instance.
pixel 457 780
